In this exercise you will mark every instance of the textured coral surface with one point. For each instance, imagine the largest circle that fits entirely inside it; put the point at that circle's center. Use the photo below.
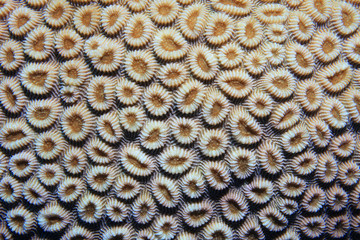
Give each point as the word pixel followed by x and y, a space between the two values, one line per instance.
pixel 179 119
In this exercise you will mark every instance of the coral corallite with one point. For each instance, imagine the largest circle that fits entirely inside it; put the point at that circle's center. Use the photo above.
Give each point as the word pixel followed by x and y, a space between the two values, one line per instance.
pixel 179 119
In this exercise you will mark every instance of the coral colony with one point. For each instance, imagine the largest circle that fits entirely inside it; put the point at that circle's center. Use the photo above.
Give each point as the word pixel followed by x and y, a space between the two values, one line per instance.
pixel 179 119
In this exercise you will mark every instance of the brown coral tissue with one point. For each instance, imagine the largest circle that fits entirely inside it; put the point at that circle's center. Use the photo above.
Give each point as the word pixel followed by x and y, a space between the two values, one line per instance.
pixel 179 119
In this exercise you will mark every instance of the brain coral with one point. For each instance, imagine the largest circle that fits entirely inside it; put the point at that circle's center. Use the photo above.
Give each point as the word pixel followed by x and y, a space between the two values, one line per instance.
pixel 179 119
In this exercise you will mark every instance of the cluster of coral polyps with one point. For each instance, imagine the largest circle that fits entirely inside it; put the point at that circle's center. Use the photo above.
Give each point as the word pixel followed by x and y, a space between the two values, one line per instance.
pixel 165 119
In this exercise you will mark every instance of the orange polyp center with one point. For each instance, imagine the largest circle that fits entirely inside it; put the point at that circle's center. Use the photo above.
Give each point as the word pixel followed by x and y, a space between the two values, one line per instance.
pixel 70 190
pixel 242 163
pixel 9 56
pixel 139 66
pixel 245 129
pixel 345 145
pixel 357 49
pixel 101 178
pixel 302 26
pixel 275 52
pixel 250 30
pixel 21 21
pixel 202 63
pixel 231 54
pixel 108 128
pixel 8 189
pixel 76 123
pixel 260 191
pixel 127 188
pixel 300 59
pixel 192 19
pixel 219 28
pixel 311 95
pixel 100 152
pixel 351 174
pixel 329 172
pixel 86 18
pixel 216 174
pixel 235 3
pixel 319 5
pixel 94 45
pixel 198 214
pixel 15 135
pixel 271 159
pixel 39 43
pixel 313 226
pixel 137 30
pixel 144 210
pixel 273 12
pixel 107 57
pixel 135 162
pixel 338 76
pixel 10 96
pixel 38 77
pixel 185 130
pixel 328 46
pixel 287 116
pixel 256 62
pixel 113 17
pixel 127 92
pixel 165 192
pixel 192 186
pixel 218 235
pixel 116 211
pixel 173 74
pixel 238 84
pixel 292 186
pixel 260 104
pixel 42 113
pixel 169 44
pixel 166 228
pixel 277 32
pixel 176 161
pixel 90 210
pixel 153 136
pixel 164 9
pixel 296 139
pixel 336 113
pixel 18 220
pixel 214 144
pixel 216 109
pixel 72 73
pixel 49 174
pixel 131 118
pixel 74 161
pixel 21 164
pixel 320 133
pixel 48 145
pixel 190 96
pixel 281 82
pixel 68 43
pixel 57 12
pixel 68 93
pixel 100 93
pixel 347 18
pixel 314 200
pixel 305 163
pixel 356 101
pixel 157 101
